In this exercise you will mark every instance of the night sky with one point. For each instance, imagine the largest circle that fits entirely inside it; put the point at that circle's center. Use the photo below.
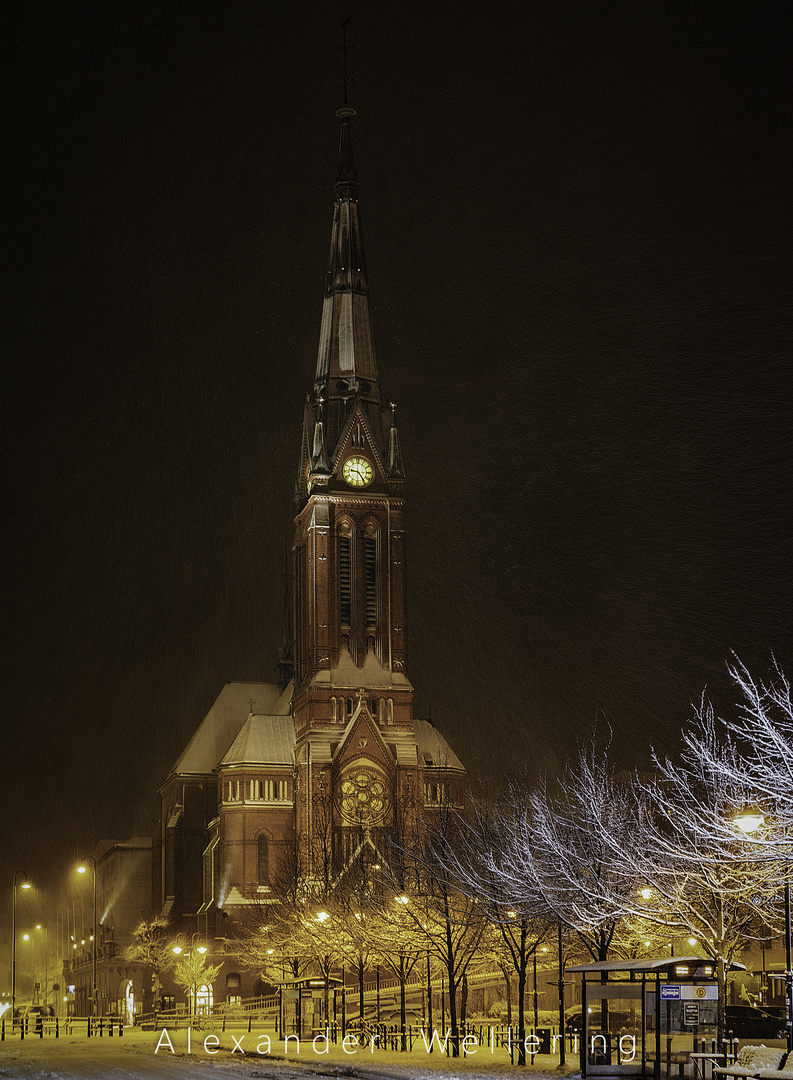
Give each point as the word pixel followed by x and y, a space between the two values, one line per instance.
pixel 575 237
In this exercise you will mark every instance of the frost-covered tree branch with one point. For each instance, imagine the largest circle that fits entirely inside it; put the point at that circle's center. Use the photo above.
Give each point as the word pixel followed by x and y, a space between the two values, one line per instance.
pixel 750 755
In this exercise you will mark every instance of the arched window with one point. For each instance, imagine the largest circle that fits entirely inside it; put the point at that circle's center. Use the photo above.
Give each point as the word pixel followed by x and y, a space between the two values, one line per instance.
pixel 264 860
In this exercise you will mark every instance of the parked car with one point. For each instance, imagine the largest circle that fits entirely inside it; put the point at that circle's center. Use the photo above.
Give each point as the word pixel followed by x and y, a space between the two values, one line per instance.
pixel 749 1022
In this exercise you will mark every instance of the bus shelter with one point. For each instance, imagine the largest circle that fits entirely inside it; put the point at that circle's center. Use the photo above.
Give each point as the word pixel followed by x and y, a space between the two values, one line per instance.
pixel 301 1003
pixel 644 1017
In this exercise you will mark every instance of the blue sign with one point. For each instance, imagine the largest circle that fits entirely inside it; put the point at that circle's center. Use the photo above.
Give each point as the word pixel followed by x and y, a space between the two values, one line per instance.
pixel 670 993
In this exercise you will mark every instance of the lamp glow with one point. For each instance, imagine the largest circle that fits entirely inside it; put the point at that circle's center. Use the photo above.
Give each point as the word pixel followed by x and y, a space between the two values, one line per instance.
pixel 749 820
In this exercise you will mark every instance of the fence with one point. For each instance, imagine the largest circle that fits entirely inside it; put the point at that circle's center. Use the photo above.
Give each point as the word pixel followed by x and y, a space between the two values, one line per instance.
pixel 27 1027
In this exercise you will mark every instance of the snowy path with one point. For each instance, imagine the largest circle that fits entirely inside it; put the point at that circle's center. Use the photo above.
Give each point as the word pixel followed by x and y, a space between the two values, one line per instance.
pixel 136 1058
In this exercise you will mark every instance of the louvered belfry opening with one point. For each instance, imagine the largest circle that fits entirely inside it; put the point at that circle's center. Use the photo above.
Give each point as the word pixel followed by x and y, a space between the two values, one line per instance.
pixel 345 582
pixel 370 582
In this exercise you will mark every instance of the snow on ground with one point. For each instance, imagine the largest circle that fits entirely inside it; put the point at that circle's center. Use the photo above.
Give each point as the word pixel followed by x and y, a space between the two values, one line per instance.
pixel 145 1055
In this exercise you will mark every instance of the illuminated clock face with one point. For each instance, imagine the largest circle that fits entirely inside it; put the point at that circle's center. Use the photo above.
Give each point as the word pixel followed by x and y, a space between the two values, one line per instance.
pixel 357 471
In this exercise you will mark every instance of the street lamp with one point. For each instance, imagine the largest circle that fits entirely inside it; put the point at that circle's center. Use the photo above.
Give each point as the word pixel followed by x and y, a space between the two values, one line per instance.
pixel 46 962
pixel 25 885
pixel 82 870
pixel 178 949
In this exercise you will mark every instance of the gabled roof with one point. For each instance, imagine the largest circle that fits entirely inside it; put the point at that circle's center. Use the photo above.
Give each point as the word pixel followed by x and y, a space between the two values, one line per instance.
pixel 433 748
pixel 373 438
pixel 263 740
pixel 362 720
pixel 221 725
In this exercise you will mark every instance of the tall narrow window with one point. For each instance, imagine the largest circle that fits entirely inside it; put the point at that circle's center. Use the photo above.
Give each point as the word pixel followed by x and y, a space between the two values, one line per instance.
pixel 264 860
pixel 345 581
pixel 370 579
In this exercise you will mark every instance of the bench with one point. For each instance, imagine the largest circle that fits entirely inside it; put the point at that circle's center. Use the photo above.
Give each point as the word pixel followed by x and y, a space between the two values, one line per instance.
pixel 754 1060
pixel 784 1071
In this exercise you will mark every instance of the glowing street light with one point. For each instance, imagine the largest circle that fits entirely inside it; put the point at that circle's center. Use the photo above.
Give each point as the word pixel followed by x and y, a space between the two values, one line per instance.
pixel 178 949
pixel 749 820
pixel 81 869
pixel 25 885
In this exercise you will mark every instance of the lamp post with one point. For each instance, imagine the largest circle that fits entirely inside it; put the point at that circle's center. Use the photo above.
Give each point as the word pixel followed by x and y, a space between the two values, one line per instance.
pixel 82 870
pixel 178 950
pixel 28 937
pixel 25 885
pixel 46 961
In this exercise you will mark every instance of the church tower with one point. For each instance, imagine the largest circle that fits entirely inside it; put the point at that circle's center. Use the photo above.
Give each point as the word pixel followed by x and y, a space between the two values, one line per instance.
pixel 356 750
pixel 306 774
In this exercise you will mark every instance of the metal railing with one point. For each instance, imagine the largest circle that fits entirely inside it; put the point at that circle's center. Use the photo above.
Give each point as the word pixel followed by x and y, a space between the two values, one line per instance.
pixel 27 1027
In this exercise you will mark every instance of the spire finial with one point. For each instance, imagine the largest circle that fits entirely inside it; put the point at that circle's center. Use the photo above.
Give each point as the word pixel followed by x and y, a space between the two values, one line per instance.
pixel 344 24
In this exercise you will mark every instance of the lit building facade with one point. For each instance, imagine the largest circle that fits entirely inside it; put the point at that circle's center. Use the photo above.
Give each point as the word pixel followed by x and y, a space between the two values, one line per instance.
pixel 123 900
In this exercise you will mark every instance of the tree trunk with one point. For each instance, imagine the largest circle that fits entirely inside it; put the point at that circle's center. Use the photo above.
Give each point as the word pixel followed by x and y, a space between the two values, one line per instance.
pixel 402 1015
pixel 522 1010
pixel 453 1009
pixel 721 978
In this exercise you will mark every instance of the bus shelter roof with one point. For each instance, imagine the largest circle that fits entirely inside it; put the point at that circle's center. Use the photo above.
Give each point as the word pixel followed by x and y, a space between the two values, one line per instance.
pixel 647 964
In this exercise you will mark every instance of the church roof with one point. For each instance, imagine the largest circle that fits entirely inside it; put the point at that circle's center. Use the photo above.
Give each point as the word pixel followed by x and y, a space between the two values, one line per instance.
pixel 221 725
pixel 433 748
pixel 373 674
pixel 263 740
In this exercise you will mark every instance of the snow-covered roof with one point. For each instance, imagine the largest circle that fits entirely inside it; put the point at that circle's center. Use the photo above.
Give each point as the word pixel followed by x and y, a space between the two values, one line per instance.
pixel 650 964
pixel 221 725
pixel 433 748
pixel 373 675
pixel 263 740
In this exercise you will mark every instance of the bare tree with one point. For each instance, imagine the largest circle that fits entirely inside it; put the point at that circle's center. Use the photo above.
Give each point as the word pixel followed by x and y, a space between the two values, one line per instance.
pixel 750 754
pixel 518 921
pixel 396 942
pixel 690 860
pixel 151 947
pixel 192 972
pixel 560 851
pixel 447 920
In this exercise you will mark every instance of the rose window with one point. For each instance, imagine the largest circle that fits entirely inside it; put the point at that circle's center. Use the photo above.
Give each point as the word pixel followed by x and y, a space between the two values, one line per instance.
pixel 363 798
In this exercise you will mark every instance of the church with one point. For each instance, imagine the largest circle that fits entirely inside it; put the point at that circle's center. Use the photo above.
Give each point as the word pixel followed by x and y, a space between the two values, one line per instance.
pixel 320 765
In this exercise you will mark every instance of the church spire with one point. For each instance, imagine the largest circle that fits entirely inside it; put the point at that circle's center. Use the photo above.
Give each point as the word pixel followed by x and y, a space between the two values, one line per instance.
pixel 346 364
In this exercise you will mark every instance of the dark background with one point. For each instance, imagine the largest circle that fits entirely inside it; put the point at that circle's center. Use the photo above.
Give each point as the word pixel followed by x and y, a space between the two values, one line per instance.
pixel 575 237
